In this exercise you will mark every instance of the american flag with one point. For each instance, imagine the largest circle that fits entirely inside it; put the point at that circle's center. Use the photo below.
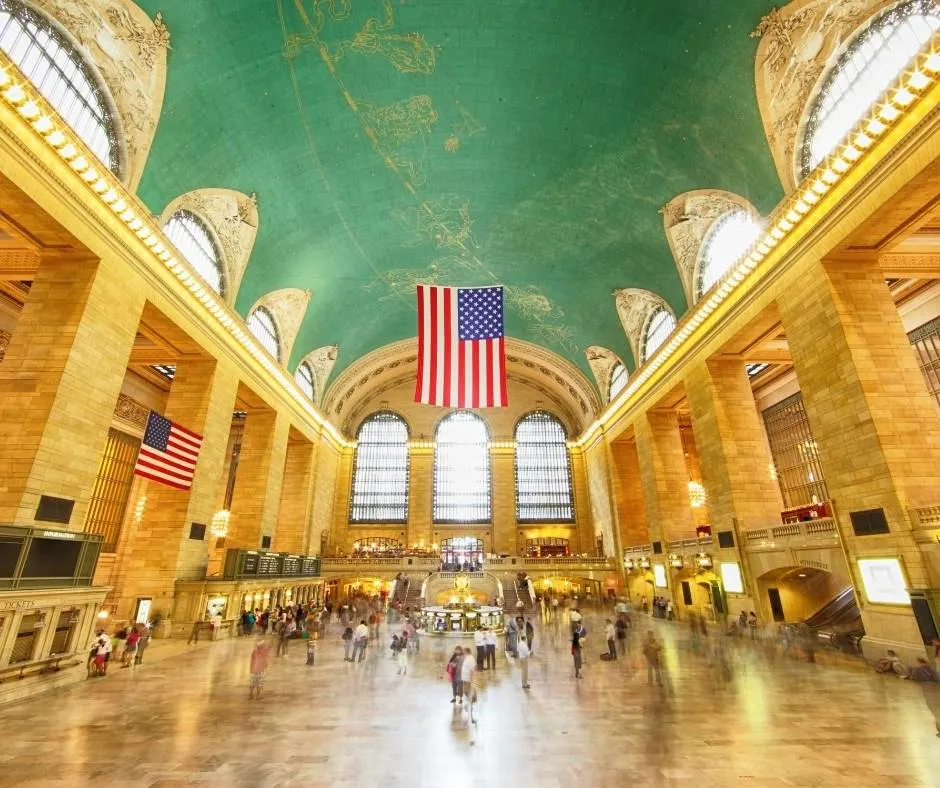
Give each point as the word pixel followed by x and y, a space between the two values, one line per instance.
pixel 168 453
pixel 461 347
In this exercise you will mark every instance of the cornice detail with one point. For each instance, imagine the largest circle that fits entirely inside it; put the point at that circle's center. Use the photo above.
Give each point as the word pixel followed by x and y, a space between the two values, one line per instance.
pixel 602 362
pixel 129 50
pixel 321 361
pixel 131 411
pixel 634 307
pixel 687 218
pixel 797 42
pixel 288 305
pixel 233 219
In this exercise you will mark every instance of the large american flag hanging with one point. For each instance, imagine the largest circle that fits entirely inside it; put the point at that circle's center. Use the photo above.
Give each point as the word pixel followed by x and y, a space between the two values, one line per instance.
pixel 168 453
pixel 461 347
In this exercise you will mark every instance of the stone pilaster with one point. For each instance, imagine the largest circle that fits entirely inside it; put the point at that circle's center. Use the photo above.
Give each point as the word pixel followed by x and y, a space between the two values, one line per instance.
pixel 873 421
pixel 293 523
pixel 505 532
pixel 734 458
pixel 258 482
pixel 160 551
pixel 421 476
pixel 59 382
pixel 663 475
pixel 628 494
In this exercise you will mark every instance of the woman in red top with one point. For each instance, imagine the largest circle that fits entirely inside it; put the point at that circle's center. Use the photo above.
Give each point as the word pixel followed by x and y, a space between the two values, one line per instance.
pixel 130 648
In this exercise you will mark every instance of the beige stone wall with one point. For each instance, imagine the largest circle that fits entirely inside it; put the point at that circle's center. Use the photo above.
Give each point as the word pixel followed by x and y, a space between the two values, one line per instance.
pixel 628 494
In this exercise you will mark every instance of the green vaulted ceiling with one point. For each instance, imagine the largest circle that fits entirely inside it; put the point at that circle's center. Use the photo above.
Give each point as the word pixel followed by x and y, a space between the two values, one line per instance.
pixel 529 143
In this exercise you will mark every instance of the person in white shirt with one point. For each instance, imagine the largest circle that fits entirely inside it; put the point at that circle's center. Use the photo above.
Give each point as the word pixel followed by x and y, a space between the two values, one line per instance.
pixel 490 639
pixel 611 635
pixel 479 639
pixel 575 618
pixel 467 670
pixel 360 640
pixel 524 662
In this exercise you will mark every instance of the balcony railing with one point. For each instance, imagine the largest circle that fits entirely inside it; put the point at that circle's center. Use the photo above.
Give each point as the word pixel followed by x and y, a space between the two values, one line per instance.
pixel 404 563
pixel 820 528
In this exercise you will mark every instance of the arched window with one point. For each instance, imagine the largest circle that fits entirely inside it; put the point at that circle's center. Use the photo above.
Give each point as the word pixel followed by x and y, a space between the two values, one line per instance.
pixel 261 324
pixel 190 235
pixel 658 328
pixel 304 378
pixel 49 60
pixel 729 238
pixel 462 470
pixel 543 470
pixel 380 472
pixel 861 75
pixel 618 380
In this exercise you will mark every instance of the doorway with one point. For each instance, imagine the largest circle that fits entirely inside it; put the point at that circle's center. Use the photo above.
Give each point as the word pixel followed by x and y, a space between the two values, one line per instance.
pixel 776 606
pixel 462 553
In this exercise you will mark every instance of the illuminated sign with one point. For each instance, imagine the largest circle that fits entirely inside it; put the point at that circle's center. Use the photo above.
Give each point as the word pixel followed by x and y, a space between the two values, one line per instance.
pixel 884 581
pixel 659 575
pixel 731 577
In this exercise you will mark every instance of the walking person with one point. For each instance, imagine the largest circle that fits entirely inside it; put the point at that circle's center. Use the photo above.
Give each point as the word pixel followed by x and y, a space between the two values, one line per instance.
pixel 142 643
pixel 312 638
pixel 402 656
pixel 361 640
pixel 258 666
pixel 576 652
pixel 479 640
pixel 524 655
pixel 468 668
pixel 347 637
pixel 652 651
pixel 611 634
pixel 129 655
pixel 490 649
pixel 529 634
pixel 453 673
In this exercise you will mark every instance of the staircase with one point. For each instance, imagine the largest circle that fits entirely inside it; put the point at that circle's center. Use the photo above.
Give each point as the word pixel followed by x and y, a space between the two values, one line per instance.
pixel 510 596
pixel 522 591
pixel 412 596
pixel 840 614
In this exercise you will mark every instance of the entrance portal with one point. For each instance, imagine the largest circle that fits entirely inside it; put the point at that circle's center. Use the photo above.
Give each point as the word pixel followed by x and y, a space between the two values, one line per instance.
pixel 462 554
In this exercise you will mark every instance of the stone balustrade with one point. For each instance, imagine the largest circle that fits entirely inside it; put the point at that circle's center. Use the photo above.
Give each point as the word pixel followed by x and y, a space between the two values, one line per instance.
pixel 515 563
pixel 787 533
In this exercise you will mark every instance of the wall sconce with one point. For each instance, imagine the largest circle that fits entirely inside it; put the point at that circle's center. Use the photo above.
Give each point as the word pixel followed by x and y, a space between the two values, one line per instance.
pixel 696 495
pixel 676 561
pixel 704 561
pixel 219 525
pixel 629 564
pixel 140 507
pixel 644 563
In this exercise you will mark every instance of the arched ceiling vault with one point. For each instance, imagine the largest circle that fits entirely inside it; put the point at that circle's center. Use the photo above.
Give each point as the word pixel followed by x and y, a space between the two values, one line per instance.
pixel 365 385
pixel 466 143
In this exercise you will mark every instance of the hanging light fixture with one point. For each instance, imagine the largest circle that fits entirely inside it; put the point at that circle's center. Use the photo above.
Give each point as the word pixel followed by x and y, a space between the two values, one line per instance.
pixel 219 525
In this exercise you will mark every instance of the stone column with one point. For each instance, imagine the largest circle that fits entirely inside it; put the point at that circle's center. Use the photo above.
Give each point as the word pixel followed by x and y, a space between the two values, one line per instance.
pixel 735 460
pixel 504 526
pixel 421 477
pixel 583 532
pixel 160 551
pixel 664 476
pixel 60 380
pixel 628 494
pixel 293 523
pixel 258 482
pixel 876 427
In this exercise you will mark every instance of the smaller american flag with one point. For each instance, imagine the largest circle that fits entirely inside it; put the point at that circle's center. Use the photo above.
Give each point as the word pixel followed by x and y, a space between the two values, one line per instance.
pixel 168 453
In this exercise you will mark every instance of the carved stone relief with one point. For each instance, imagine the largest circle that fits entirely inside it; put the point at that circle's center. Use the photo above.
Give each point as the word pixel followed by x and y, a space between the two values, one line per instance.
pixel 129 51
pixel 797 42
pixel 233 218
pixel 687 218
pixel 634 307
pixel 131 411
pixel 321 361
pixel 602 362
pixel 4 342
pixel 288 305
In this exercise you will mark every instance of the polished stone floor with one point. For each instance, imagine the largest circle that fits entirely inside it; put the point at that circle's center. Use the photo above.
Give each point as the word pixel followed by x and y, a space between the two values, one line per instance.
pixel 185 719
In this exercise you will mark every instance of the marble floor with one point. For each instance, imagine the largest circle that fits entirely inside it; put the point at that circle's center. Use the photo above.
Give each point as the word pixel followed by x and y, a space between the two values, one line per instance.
pixel 185 719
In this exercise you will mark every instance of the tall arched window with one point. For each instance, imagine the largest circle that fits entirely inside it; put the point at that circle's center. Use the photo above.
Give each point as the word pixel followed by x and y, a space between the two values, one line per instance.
pixel 871 62
pixel 304 378
pixel 658 328
pixel 618 381
pixel 462 470
pixel 543 470
pixel 50 61
pixel 190 235
pixel 261 324
pixel 727 239
pixel 380 473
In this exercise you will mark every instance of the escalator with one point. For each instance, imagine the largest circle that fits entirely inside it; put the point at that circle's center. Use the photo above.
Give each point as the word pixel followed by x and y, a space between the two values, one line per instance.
pixel 838 623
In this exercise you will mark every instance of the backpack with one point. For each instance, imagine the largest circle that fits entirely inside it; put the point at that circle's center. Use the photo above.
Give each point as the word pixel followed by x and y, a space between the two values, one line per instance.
pixel 347 634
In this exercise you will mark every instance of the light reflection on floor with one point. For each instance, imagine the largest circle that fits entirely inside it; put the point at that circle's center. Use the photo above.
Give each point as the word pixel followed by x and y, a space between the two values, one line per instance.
pixel 187 721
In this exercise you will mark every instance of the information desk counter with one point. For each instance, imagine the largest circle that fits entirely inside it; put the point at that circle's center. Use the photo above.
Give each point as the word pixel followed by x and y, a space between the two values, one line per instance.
pixel 458 621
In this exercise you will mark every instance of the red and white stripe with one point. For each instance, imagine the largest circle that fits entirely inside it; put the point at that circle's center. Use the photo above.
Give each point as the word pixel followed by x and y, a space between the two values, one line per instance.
pixel 174 467
pixel 455 373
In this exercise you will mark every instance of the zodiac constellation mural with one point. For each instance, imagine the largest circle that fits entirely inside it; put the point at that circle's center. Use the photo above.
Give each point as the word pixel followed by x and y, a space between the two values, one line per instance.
pixel 400 133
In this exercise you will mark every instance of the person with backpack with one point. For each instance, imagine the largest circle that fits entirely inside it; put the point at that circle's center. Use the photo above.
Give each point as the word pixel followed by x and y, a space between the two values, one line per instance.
pixel 348 640
pixel 453 673
pixel 611 643
pixel 576 652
